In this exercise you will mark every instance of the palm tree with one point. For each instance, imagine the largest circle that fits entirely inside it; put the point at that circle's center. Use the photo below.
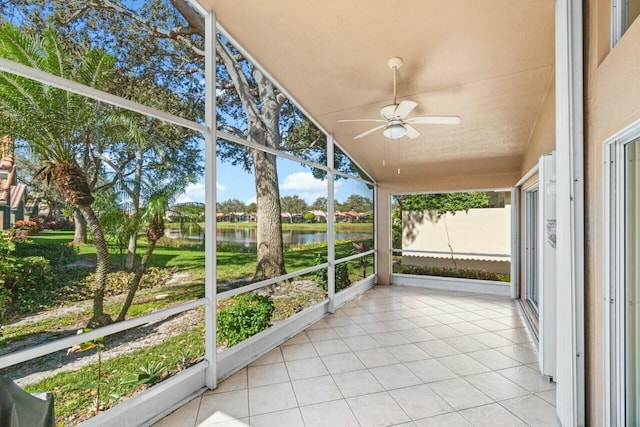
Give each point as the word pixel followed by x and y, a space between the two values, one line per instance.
pixel 153 216
pixel 58 125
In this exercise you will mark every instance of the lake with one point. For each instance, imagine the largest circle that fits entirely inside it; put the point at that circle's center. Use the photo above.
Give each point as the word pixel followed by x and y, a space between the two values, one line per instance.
pixel 247 236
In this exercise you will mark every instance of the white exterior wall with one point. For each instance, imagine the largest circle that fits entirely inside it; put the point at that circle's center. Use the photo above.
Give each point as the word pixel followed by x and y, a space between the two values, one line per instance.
pixel 486 231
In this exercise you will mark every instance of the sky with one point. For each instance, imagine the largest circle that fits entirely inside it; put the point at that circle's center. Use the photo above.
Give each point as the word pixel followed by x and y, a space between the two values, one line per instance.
pixel 294 179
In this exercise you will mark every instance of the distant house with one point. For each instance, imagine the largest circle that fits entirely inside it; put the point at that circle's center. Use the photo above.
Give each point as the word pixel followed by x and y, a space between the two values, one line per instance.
pixel 319 216
pixel 13 196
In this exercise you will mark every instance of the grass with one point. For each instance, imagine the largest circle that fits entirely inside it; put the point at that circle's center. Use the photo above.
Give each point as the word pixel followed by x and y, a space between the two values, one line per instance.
pixel 75 399
pixel 74 403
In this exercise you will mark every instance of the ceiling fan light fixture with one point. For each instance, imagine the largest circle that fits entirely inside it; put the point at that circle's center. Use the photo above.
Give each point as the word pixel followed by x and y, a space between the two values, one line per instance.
pixel 395 131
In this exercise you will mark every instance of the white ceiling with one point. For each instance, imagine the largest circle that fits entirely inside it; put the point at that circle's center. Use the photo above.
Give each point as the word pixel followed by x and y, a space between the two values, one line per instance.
pixel 490 62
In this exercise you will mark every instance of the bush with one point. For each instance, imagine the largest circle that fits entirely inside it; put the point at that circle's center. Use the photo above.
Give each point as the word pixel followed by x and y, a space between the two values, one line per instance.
pixel 342 275
pixel 23 282
pixel 244 316
pixel 453 272
pixel 57 224
pixel 58 254
pixel 21 230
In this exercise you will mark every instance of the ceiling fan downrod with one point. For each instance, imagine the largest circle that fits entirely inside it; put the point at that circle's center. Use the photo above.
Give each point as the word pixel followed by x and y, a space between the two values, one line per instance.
pixel 394 64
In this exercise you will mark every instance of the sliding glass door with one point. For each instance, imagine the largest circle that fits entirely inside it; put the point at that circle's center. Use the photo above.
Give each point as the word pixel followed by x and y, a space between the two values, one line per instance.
pixel 531 280
pixel 632 281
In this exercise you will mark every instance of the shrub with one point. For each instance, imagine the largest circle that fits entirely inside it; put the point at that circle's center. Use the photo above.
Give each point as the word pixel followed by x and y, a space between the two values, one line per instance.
pixel 21 230
pixel 342 275
pixel 243 317
pixel 453 272
pixel 180 243
pixel 58 254
pixel 57 224
pixel 23 282
pixel 28 227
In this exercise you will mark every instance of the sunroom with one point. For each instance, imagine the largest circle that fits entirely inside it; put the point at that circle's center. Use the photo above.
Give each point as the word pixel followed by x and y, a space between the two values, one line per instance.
pixel 307 126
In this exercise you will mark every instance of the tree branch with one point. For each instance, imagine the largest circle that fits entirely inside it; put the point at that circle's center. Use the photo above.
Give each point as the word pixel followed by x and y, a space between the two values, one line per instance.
pixel 193 18
pixel 240 82
pixel 150 27
pixel 231 129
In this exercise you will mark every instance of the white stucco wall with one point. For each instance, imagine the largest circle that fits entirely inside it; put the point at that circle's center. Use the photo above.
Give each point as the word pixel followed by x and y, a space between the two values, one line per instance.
pixel 486 231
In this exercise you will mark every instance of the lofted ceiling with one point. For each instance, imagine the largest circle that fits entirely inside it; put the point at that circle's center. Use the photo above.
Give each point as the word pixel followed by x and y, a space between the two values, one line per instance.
pixel 491 62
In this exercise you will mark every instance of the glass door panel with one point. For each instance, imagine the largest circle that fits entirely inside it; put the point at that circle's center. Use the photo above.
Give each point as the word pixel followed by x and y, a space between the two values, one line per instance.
pixel 531 247
pixel 632 288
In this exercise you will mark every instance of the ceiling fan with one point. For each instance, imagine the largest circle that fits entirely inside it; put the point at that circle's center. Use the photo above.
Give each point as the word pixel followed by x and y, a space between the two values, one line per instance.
pixel 394 116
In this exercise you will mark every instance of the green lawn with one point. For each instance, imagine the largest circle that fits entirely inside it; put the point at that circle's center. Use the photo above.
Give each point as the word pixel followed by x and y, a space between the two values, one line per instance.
pixel 231 265
pixel 75 403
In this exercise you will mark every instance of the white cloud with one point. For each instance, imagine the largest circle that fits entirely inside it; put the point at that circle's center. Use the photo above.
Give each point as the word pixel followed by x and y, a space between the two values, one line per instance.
pixel 304 185
pixel 303 181
pixel 183 198
pixel 194 192
pixel 250 200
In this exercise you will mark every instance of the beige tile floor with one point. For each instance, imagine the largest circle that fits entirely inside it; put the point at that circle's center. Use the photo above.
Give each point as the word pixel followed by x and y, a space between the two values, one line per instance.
pixel 395 356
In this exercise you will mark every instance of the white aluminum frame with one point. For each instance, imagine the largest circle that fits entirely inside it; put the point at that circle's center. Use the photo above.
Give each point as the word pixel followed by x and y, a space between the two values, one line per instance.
pixel 619 16
pixel 532 220
pixel 210 283
pixel 183 385
pixel 614 409
pixel 98 95
pixel 418 251
pixel 16 357
pixel 547 269
pixel 570 391
pixel 515 243
pixel 331 230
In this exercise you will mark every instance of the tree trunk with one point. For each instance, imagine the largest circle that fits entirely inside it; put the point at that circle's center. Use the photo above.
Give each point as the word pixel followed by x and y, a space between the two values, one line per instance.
pixel 80 227
pixel 100 318
pixel 269 225
pixel 135 283
pixel 135 202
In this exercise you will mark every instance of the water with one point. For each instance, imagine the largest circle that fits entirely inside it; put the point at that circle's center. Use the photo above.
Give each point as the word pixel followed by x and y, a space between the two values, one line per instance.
pixel 247 236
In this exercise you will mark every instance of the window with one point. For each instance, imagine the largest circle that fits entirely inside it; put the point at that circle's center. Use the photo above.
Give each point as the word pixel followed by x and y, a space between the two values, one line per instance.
pixel 623 282
pixel 623 13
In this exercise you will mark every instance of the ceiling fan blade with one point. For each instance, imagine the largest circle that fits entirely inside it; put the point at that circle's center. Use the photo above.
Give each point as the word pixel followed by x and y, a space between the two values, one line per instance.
pixel 434 120
pixel 369 131
pixel 388 111
pixel 363 120
pixel 404 109
pixel 411 131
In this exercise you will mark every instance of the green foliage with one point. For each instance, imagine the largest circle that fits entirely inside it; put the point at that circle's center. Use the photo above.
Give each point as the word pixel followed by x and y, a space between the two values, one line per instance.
pixel 232 205
pixel 116 225
pixel 75 404
pixel 245 316
pixel 22 279
pixel 58 254
pixel 342 277
pixel 452 272
pixel 309 217
pixel 444 202
pixel 21 230
pixel 342 280
pixel 118 281
pixel 293 204
pixel 357 203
